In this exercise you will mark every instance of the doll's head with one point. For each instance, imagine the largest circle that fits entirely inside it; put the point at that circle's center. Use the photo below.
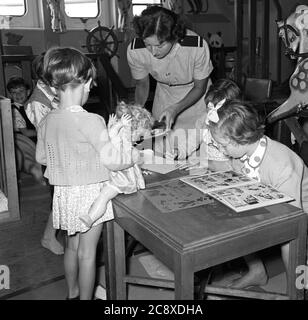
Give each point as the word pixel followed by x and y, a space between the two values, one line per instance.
pixel 142 120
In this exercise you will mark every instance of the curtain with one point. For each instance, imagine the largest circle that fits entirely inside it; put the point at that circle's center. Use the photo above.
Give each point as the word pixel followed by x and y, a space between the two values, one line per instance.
pixel 57 16
pixel 173 5
pixel 125 11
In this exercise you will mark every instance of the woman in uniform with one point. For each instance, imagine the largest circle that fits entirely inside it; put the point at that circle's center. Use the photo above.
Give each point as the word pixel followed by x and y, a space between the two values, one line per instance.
pixel 179 60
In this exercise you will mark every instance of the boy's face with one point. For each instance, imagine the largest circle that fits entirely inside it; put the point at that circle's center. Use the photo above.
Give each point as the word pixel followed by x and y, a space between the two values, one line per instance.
pixel 19 94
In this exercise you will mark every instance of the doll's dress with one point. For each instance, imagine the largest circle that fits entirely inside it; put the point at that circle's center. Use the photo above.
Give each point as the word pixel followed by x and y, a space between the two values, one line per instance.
pixel 131 179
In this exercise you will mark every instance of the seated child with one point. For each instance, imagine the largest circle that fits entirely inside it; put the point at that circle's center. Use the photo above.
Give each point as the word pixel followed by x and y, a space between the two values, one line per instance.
pixel 19 91
pixel 238 131
pixel 128 126
pixel 201 150
pixel 24 131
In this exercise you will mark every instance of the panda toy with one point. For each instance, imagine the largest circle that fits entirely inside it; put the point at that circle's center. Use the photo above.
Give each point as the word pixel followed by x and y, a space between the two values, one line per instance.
pixel 215 40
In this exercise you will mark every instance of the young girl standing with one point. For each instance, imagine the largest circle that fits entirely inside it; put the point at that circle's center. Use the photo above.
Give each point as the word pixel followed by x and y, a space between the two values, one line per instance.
pixel 238 130
pixel 75 147
pixel 39 104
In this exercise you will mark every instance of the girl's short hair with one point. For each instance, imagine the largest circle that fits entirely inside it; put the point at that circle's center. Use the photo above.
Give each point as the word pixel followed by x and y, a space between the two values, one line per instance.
pixel 239 121
pixel 66 66
pixel 223 89
pixel 161 22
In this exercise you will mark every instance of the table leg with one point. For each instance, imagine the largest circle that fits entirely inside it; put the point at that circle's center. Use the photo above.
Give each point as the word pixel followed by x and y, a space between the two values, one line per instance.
pixel 297 257
pixel 120 263
pixel 108 247
pixel 183 278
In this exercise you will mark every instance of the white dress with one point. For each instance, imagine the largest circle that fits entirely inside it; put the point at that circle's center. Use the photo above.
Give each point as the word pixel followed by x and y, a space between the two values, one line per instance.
pixel 70 202
pixel 175 75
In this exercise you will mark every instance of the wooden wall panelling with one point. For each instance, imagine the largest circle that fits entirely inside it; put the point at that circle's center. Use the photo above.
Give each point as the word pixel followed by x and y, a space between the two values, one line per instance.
pixel 7 146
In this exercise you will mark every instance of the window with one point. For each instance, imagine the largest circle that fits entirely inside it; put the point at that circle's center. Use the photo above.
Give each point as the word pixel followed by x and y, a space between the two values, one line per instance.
pixel 12 7
pixel 81 8
pixel 140 5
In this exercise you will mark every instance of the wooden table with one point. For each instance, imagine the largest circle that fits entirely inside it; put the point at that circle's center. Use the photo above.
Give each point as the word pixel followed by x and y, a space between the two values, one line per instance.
pixel 198 238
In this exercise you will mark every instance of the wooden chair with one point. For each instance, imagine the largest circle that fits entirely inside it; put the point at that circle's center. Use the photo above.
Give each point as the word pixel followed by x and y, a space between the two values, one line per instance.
pixel 259 93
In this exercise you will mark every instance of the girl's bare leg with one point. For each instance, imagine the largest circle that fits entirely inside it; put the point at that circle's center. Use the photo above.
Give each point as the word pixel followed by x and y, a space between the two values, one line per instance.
pixel 86 261
pixel 99 206
pixel 256 275
pixel 285 256
pixel 49 240
pixel 71 265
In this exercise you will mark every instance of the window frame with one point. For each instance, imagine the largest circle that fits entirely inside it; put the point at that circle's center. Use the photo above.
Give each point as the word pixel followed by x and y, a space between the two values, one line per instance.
pixel 15 15
pixel 83 17
pixel 145 3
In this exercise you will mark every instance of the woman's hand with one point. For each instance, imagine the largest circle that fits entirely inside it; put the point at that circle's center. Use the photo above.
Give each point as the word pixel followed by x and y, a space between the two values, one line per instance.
pixel 169 116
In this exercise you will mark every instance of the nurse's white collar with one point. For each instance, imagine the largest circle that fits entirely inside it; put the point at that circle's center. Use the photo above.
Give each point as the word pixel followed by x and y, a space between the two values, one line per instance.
pixel 173 50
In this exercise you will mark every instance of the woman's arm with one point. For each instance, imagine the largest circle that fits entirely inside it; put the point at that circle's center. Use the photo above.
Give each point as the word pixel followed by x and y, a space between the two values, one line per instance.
pixel 142 90
pixel 191 98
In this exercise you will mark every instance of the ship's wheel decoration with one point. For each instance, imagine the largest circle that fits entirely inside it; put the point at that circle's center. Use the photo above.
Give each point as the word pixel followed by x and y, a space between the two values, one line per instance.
pixel 102 40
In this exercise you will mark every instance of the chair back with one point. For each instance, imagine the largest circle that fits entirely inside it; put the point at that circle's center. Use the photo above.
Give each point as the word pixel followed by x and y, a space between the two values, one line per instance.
pixel 257 90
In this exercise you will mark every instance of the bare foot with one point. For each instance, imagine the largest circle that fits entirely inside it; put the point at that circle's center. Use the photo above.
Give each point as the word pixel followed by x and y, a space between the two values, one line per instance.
pixel 53 245
pixel 250 279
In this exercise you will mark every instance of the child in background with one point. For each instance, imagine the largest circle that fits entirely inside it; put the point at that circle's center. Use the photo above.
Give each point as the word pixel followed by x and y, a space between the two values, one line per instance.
pixel 42 99
pixel 238 130
pixel 75 147
pixel 201 150
pixel 24 132
pixel 127 127
pixel 19 91
pixel 40 103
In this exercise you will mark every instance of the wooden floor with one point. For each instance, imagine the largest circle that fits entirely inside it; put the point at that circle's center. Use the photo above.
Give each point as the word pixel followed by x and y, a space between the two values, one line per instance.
pixel 29 263
pixel 36 273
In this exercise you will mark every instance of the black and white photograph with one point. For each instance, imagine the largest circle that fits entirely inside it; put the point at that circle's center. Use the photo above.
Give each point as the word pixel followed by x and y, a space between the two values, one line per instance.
pixel 153 155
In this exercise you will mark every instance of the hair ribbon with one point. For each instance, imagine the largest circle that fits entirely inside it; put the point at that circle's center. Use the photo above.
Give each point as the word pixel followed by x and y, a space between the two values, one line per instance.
pixel 212 114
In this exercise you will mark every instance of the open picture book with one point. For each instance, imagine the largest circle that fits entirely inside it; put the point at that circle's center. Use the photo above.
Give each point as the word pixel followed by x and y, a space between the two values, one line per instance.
pixel 237 191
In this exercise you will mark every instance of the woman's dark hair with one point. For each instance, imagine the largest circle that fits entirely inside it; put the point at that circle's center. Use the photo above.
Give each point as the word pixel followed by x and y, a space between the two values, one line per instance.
pixel 67 66
pixel 223 89
pixel 17 82
pixel 239 121
pixel 161 22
